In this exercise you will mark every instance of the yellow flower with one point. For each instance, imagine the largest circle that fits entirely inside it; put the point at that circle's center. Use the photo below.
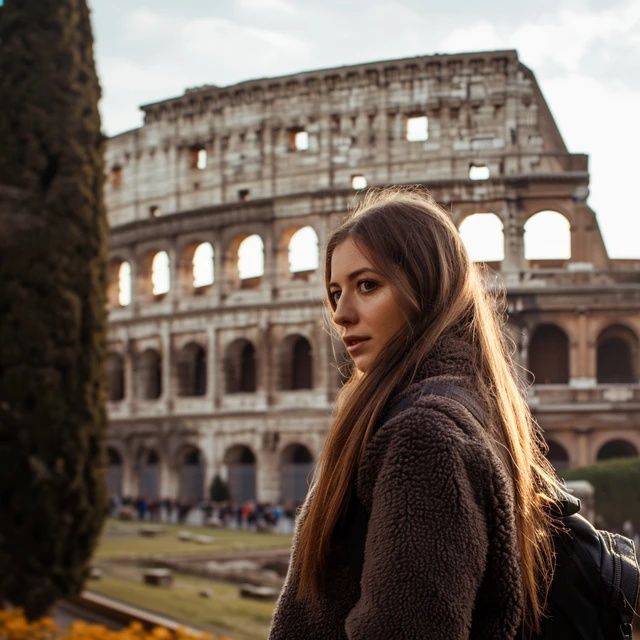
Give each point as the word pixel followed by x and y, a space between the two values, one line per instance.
pixel 14 626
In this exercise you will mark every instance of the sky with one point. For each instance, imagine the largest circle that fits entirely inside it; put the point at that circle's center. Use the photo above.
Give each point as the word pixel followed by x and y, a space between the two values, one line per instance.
pixel 585 55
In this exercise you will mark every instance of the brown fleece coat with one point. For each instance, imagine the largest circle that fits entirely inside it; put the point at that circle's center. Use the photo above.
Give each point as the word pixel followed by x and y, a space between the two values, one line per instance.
pixel 427 548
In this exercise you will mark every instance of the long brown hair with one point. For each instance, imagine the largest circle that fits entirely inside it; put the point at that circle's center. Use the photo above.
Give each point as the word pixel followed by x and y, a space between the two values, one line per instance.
pixel 415 243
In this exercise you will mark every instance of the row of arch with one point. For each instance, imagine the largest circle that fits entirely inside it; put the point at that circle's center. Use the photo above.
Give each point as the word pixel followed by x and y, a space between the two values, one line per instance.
pixel 243 262
pixel 295 465
pixel 295 369
pixel 617 362
pixel 617 448
pixel 547 236
pixel 617 355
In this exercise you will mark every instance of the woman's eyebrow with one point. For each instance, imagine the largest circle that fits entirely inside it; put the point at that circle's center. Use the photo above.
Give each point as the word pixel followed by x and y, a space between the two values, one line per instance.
pixel 355 274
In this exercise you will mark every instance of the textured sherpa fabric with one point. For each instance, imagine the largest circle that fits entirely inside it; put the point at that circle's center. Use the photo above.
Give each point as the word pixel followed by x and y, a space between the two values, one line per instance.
pixel 427 547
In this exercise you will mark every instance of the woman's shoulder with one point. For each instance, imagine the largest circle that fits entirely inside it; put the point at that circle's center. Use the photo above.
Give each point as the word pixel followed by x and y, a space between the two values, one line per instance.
pixel 432 438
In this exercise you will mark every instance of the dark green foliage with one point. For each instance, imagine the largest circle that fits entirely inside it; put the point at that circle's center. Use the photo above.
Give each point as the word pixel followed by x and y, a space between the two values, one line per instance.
pixel 52 302
pixel 219 491
pixel 617 490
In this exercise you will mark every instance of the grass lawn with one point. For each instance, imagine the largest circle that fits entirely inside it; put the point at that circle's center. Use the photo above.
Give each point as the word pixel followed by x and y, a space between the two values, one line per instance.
pixel 224 613
pixel 121 539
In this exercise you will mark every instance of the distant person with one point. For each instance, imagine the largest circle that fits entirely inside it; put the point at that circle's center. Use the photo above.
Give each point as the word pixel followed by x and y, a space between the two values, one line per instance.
pixel 141 507
pixel 421 522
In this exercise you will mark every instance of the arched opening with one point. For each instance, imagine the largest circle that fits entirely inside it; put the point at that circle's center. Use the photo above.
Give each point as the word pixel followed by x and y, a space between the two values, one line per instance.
pixel 557 455
pixel 296 469
pixel 617 449
pixel 303 252
pixel 251 261
pixel 549 355
pixel 547 236
pixel 203 266
pixel 119 283
pixel 149 375
pixel 240 367
pixel 124 284
pixel 114 472
pixel 149 474
pixel 191 478
pixel 296 363
pixel 160 274
pixel 115 377
pixel 241 470
pixel 192 370
pixel 617 356
pixel 483 236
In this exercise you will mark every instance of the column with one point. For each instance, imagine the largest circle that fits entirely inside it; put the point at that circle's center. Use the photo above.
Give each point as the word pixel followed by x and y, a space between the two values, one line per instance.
pixel 267 475
pixel 212 370
pixel 266 365
pixel 168 390
pixel 514 260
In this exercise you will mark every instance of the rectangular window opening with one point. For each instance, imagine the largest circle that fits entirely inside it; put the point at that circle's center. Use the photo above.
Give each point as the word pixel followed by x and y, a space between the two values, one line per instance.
pixel 243 195
pixel 298 139
pixel 115 176
pixel 198 157
pixel 417 128
pixel 358 182
pixel 154 210
pixel 479 172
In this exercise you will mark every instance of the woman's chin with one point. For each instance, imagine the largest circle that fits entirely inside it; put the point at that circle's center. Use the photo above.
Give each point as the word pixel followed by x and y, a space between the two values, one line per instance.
pixel 361 363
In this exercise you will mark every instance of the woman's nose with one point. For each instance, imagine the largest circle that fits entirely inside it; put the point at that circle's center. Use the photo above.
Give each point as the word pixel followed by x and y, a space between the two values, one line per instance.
pixel 345 312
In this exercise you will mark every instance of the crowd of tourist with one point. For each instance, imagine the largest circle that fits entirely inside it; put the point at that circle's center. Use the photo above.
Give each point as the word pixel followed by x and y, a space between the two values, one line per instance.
pixel 249 515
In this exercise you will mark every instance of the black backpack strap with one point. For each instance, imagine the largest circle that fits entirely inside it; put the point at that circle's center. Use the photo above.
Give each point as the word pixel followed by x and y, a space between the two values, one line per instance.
pixel 444 390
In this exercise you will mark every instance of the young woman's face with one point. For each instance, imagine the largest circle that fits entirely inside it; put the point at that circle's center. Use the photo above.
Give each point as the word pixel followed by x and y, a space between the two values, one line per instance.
pixel 367 308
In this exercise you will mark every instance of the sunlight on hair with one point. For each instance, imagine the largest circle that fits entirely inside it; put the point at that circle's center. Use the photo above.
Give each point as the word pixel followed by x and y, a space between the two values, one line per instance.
pixel 483 236
pixel 124 284
pixel 203 265
pixel 251 257
pixel 303 250
pixel 547 236
pixel 160 275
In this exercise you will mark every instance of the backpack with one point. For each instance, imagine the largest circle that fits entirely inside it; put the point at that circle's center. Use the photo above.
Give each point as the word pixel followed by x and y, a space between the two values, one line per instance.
pixel 596 584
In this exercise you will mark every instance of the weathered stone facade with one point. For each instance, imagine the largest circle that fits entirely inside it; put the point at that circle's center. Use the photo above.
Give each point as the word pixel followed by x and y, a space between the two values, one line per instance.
pixel 236 376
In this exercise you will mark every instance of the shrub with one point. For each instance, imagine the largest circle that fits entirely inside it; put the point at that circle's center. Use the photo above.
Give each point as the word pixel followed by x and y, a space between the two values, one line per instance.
pixel 617 489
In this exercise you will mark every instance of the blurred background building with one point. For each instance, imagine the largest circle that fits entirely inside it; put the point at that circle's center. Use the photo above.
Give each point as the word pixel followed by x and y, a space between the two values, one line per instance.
pixel 220 361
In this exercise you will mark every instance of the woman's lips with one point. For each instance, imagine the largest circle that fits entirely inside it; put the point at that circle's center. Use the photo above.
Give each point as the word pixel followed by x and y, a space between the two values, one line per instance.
pixel 356 345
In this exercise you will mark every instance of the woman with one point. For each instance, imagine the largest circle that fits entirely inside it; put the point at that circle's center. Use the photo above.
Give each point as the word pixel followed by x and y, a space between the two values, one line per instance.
pixel 421 522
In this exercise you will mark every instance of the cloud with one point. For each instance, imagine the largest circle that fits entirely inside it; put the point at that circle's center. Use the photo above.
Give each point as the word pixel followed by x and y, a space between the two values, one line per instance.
pixel 267 6
pixel 220 37
pixel 560 40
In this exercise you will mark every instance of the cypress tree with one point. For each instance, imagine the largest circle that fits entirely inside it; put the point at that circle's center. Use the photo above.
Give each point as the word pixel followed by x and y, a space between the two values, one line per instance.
pixel 219 490
pixel 52 302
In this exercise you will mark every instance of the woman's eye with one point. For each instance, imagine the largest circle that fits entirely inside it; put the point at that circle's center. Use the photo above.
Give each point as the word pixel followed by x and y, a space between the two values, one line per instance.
pixel 334 295
pixel 367 285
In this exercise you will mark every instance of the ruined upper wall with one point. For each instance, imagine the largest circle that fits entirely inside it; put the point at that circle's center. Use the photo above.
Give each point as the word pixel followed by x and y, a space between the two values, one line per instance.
pixel 483 109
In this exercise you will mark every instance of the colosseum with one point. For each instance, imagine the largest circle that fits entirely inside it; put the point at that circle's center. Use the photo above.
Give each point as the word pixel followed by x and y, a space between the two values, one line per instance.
pixel 220 360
